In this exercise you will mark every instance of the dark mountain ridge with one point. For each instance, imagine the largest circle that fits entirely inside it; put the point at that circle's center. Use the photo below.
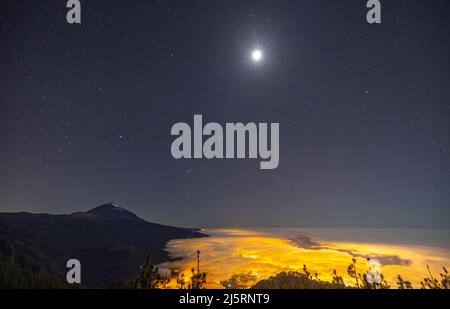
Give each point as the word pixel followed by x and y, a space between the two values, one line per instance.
pixel 110 242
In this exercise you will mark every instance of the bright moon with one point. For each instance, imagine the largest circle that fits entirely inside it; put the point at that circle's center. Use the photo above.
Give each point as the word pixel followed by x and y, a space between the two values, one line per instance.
pixel 257 55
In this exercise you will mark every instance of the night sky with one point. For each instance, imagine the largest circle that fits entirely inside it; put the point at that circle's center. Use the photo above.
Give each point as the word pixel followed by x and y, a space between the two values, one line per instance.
pixel 364 110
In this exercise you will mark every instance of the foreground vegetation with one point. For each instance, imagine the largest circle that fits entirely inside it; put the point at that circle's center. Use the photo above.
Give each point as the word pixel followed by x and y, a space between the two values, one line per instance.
pixel 25 271
pixel 150 278
pixel 20 270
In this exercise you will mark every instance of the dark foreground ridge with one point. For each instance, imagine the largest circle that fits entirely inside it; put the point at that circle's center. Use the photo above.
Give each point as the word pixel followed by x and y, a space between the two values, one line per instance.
pixel 110 242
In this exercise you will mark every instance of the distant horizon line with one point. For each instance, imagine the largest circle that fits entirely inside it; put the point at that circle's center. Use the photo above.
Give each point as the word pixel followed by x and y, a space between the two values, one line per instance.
pixel 250 226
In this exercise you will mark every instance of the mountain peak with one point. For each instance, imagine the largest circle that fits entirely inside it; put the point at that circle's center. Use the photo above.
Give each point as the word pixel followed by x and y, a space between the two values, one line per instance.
pixel 109 212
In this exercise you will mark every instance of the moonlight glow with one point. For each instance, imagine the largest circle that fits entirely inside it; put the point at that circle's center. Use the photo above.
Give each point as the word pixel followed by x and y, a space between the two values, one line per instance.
pixel 257 55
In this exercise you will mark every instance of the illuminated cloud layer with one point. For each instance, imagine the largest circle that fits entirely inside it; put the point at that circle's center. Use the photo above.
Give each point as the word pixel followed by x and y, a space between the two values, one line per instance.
pixel 262 254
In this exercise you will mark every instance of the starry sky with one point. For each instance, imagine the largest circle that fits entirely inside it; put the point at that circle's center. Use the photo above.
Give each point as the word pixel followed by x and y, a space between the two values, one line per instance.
pixel 364 110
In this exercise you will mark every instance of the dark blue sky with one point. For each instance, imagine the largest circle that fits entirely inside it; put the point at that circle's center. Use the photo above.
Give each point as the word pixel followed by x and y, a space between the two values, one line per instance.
pixel 364 110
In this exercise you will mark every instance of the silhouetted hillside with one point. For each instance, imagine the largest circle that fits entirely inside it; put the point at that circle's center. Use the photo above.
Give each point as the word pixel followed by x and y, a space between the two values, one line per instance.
pixel 110 242
pixel 294 280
